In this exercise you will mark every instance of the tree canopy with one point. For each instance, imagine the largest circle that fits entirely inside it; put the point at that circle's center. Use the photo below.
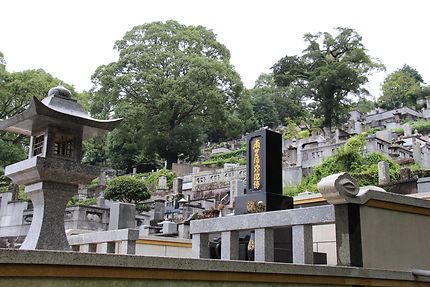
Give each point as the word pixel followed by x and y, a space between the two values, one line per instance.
pixel 170 83
pixel 273 104
pixel 16 91
pixel 402 87
pixel 330 69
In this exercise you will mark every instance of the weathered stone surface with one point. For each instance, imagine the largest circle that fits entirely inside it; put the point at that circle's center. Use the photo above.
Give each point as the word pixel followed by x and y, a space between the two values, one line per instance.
pixel 383 173
pixel 38 168
pixel 230 245
pixel 264 245
pixel 49 203
pixel 338 187
pixel 122 215
pixel 302 244
pixel 281 218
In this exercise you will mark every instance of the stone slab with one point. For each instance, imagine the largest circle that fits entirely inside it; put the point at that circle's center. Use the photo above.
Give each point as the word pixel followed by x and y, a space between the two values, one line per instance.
pixel 89 260
pixel 281 218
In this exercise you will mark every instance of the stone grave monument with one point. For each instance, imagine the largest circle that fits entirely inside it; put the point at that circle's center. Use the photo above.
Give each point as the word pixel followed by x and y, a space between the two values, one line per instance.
pixel 57 126
pixel 264 189
pixel 264 174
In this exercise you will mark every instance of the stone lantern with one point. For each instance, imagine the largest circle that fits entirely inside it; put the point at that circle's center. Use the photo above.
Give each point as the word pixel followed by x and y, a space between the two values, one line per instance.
pixel 57 126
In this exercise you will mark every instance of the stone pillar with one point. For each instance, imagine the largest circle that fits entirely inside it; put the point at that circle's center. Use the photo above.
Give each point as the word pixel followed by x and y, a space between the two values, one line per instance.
pixel 127 247
pixel 302 244
pixel 405 173
pixel 49 204
pixel 237 188
pixel 122 215
pixel 383 173
pixel 348 235
pixel 230 245
pixel 416 149
pixel 134 170
pixel 102 178
pixel 200 245
pixel 159 208
pixel 264 245
pixel 358 127
pixel 177 185
pixel 184 231
pixel 407 130
pixel 162 183
pixel 337 189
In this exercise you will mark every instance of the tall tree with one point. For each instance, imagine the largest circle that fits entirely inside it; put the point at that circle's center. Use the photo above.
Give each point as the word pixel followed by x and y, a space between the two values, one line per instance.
pixel 402 88
pixel 399 89
pixel 330 69
pixel 178 77
pixel 273 104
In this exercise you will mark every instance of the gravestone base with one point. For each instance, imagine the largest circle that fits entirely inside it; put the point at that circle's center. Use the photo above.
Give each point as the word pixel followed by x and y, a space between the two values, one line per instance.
pixel 272 201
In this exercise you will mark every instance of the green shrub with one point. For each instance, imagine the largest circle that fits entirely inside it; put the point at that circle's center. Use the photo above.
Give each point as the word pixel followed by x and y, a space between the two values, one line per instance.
pixel 303 134
pixel 421 126
pixel 127 189
pixel 218 160
pixel 398 131
pixel 151 180
pixel 350 158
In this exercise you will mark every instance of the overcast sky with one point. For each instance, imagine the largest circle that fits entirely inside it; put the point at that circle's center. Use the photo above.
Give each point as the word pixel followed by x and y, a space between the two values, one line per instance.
pixel 70 39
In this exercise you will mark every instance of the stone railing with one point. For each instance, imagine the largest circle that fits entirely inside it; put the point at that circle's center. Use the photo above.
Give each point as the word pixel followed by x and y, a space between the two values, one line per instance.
pixel 301 220
pixel 121 241
pixel 220 177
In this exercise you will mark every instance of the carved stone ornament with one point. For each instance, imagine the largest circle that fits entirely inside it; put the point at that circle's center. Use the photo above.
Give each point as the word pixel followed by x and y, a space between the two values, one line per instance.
pixel 338 188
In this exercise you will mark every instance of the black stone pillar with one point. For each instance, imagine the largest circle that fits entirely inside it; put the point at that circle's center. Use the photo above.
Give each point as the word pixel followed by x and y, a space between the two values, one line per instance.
pixel 264 173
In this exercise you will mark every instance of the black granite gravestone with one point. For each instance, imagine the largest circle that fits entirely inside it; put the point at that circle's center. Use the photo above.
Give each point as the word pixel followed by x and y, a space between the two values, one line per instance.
pixel 264 174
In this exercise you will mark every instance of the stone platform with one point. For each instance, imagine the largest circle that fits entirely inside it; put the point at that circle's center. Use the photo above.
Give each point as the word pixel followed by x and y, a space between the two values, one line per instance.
pixel 51 268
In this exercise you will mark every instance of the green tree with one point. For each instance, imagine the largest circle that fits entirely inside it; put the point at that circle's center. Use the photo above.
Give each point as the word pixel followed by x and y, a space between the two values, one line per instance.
pixel 127 189
pixel 16 91
pixel 399 89
pixel 413 73
pixel 272 104
pixel 330 69
pixel 180 80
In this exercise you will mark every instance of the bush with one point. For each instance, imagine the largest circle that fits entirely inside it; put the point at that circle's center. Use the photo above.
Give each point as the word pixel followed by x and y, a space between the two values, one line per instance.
pixel 421 126
pixel 218 160
pixel 350 158
pixel 151 181
pixel 127 189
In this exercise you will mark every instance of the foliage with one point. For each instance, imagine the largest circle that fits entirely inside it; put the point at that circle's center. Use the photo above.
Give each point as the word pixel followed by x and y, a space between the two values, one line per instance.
pixel 88 202
pixel 292 129
pixel 127 189
pixel 351 158
pixel 399 89
pixel 421 126
pixel 218 160
pixel 303 134
pixel 151 179
pixel 398 131
pixel 330 69
pixel 413 73
pixel 16 91
pixel 272 104
pixel 173 84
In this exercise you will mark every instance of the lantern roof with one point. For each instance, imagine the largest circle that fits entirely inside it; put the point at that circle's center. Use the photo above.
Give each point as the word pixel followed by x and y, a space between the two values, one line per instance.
pixel 57 109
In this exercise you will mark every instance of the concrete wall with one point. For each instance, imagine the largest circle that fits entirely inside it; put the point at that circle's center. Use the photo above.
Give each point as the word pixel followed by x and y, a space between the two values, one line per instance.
pixel 394 240
pixel 291 176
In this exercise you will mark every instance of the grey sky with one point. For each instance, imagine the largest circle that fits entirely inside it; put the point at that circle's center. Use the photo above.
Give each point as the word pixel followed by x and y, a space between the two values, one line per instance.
pixel 70 39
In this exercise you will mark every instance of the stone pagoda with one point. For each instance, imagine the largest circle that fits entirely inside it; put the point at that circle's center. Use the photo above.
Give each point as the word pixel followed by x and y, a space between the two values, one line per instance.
pixel 57 126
